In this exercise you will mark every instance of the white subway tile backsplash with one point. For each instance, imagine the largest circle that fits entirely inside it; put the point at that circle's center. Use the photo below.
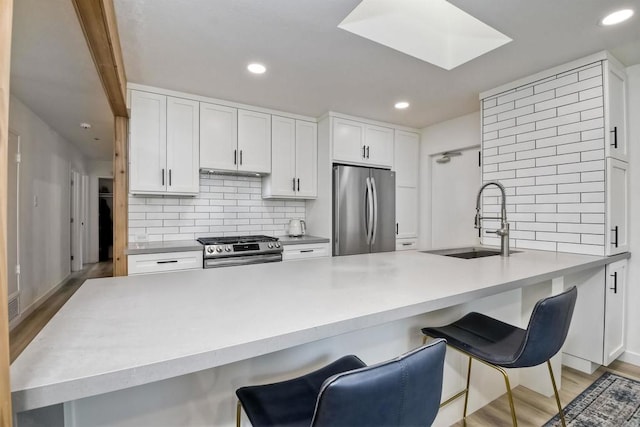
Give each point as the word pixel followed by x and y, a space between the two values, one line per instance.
pixel 226 205
pixel 556 200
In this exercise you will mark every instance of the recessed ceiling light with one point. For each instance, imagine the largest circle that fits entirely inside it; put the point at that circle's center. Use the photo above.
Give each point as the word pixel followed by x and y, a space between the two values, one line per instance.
pixel 617 17
pixel 256 68
pixel 85 125
pixel 402 105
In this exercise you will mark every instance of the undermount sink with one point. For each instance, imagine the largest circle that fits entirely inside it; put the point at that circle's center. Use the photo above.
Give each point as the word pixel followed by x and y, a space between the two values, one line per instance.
pixel 467 253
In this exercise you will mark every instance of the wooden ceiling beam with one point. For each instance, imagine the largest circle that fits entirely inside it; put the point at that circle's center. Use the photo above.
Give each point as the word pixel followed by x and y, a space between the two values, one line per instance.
pixel 98 22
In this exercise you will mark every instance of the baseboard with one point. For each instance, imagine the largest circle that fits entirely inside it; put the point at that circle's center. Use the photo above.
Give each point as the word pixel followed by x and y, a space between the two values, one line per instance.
pixel 630 357
pixel 37 303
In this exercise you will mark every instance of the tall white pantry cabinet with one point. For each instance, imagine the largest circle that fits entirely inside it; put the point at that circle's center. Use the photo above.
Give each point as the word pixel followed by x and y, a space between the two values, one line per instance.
pixel 557 141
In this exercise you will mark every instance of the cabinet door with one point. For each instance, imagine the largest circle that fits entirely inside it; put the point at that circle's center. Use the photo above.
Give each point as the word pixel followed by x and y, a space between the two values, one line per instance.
pixel 254 141
pixel 348 141
pixel 406 158
pixel 306 159
pixel 183 148
pixel 148 143
pixel 614 319
pixel 406 212
pixel 218 137
pixel 615 90
pixel 379 146
pixel 617 207
pixel 283 156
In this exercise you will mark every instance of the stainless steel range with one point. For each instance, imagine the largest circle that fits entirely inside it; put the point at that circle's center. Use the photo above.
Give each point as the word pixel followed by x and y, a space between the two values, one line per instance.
pixel 240 250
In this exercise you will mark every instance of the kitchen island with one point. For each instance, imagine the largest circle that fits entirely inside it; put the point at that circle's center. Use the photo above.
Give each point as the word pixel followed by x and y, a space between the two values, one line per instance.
pixel 133 340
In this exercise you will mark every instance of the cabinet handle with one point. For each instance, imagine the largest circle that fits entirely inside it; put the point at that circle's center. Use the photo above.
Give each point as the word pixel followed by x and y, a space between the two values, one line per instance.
pixel 615 234
pixel 235 157
pixel 397 228
pixel 173 261
pixel 169 177
pixel 615 136
pixel 306 251
pixel 298 184
pixel 240 157
pixel 364 151
pixel 368 147
pixel 294 184
pixel 407 244
pixel 615 282
pixel 162 176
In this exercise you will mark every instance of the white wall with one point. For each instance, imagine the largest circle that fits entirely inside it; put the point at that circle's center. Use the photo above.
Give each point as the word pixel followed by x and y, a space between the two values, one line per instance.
pixel 633 296
pixel 455 134
pixel 45 243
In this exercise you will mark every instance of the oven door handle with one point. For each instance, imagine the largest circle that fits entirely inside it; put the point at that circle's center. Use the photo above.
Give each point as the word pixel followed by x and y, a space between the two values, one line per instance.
pixel 241 260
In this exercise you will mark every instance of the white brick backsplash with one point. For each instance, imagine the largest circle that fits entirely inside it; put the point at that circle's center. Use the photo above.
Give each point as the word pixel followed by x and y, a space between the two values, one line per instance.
pixel 581 106
pixel 580 146
pixel 532 154
pixel 515 95
pixel 579 86
pixel 556 200
pixel 538 134
pixel 556 102
pixel 592 197
pixel 558 179
pixel 535 98
pixel 581 228
pixel 558 237
pixel 226 205
pixel 558 140
pixel 581 249
pixel 552 84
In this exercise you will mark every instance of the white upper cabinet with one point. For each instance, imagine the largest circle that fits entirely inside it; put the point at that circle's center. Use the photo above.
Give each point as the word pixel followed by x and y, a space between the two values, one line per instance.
pixel 164 145
pixel 615 88
pixel 362 143
pixel 617 224
pixel 218 137
pixel 406 158
pixel 254 142
pixel 294 160
pixel 148 143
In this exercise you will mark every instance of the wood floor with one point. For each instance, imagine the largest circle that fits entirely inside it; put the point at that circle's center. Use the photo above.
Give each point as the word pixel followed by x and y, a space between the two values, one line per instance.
pixel 534 409
pixel 26 331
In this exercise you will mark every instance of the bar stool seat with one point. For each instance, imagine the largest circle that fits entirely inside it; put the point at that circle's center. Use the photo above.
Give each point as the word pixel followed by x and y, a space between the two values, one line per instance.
pixel 501 345
pixel 402 391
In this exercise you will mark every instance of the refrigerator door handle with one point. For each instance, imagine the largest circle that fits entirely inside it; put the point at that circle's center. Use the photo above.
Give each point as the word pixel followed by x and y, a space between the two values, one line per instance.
pixel 374 227
pixel 368 214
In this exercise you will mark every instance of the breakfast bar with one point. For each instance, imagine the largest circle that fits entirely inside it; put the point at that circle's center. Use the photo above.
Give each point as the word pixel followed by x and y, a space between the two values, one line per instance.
pixel 184 341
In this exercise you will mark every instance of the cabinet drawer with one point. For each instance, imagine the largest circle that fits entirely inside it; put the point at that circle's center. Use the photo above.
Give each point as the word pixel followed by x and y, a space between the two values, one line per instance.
pixel 166 261
pixel 406 244
pixel 315 250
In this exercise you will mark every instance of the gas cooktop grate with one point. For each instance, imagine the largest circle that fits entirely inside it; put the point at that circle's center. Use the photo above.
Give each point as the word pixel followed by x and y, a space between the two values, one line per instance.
pixel 232 240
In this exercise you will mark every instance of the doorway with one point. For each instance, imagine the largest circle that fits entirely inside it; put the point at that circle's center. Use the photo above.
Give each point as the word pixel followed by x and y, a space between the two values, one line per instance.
pixel 455 180
pixel 13 225
pixel 105 221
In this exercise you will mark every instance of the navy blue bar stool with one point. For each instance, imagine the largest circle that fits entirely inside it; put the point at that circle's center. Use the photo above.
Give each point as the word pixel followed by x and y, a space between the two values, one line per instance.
pixel 404 391
pixel 500 345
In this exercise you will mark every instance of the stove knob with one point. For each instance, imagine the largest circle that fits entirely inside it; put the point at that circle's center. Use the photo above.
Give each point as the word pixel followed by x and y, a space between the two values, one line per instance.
pixel 228 248
pixel 210 249
pixel 219 249
pixel 270 245
pixel 277 244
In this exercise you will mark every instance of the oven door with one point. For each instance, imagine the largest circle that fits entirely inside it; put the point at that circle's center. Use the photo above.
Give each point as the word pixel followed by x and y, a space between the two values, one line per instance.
pixel 241 260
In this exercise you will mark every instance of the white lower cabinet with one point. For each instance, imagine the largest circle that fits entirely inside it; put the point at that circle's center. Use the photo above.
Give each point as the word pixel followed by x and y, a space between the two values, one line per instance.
pixel 596 335
pixel 305 251
pixel 406 244
pixel 406 212
pixel 164 262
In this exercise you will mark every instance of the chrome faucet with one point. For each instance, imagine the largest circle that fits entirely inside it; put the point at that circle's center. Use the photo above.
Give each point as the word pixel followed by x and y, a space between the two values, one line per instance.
pixel 503 231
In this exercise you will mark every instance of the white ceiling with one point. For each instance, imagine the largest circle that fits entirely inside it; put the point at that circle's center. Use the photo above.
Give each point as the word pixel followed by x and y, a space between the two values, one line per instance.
pixel 203 47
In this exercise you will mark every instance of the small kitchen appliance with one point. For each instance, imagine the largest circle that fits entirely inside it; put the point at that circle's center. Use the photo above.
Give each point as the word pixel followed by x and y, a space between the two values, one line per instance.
pixel 240 250
pixel 297 227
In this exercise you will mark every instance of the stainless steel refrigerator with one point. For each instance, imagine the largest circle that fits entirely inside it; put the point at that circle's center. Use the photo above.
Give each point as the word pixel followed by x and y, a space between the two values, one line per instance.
pixel 364 210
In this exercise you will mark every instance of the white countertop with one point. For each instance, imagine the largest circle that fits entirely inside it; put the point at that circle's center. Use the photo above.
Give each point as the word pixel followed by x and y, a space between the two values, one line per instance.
pixel 302 240
pixel 136 248
pixel 117 333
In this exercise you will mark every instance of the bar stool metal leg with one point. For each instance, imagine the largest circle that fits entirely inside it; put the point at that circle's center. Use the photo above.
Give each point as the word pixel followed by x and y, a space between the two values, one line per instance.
pixel 555 391
pixel 466 394
pixel 238 413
